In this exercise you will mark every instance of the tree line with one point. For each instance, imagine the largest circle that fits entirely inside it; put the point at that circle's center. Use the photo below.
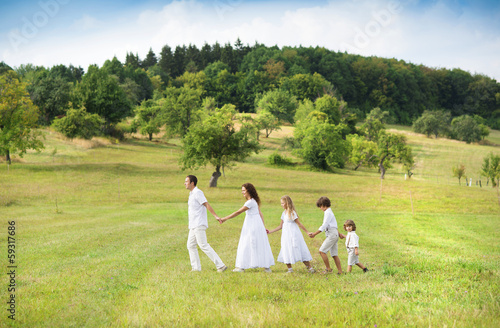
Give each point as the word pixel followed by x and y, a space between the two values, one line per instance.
pixel 403 89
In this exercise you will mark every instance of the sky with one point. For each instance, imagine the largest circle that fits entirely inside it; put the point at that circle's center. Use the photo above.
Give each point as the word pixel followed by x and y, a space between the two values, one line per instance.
pixel 449 34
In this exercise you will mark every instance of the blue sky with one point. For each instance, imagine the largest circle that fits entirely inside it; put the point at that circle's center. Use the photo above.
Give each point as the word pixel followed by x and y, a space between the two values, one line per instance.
pixel 436 33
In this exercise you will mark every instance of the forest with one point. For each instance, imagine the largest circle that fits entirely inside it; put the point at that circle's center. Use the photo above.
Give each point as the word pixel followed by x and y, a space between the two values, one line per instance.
pixel 237 73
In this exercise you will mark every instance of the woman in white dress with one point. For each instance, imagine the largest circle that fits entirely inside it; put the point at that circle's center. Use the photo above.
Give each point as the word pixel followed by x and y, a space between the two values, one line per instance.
pixel 254 250
pixel 293 245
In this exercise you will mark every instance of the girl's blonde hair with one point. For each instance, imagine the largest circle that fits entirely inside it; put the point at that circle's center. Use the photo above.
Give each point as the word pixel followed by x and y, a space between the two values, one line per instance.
pixel 290 208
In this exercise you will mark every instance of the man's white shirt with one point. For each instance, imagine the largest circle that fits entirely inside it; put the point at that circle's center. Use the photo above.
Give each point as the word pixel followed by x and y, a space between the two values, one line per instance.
pixel 197 212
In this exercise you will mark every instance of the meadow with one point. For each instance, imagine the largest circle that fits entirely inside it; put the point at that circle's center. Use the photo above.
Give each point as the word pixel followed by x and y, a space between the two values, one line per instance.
pixel 101 230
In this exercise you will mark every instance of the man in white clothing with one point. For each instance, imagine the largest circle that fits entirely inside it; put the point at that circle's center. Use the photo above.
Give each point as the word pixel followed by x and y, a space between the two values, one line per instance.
pixel 198 223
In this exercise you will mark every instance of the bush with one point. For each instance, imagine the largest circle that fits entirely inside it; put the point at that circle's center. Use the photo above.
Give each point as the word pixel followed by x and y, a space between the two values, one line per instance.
pixel 79 124
pixel 277 159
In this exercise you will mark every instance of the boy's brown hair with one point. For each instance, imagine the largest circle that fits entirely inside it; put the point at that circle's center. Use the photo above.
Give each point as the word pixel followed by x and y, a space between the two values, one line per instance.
pixel 323 201
pixel 350 223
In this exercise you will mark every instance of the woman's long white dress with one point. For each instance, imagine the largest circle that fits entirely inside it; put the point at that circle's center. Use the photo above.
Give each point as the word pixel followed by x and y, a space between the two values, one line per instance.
pixel 293 245
pixel 254 250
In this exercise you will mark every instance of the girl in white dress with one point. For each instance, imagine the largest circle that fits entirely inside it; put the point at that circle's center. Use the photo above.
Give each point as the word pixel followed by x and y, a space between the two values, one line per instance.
pixel 254 250
pixel 293 245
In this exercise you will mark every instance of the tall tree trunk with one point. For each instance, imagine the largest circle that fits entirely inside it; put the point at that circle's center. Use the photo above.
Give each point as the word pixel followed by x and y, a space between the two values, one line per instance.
pixel 215 177
pixel 7 156
pixel 150 136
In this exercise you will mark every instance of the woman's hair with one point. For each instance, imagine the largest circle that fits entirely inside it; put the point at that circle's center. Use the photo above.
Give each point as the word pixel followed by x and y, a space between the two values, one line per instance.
pixel 251 190
pixel 323 201
pixel 290 208
pixel 350 223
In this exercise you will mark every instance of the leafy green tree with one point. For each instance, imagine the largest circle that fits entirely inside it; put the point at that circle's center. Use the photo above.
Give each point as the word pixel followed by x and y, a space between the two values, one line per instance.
pixel 148 119
pixel 4 68
pixel 459 172
pixel 267 122
pixel 150 60
pixel 215 140
pixel 483 128
pixel 491 168
pixel 99 93
pixel 192 80
pixel 362 151
pixel 18 118
pixel 51 94
pixel 466 129
pixel 280 103
pixel 330 106
pixel 374 123
pixel 304 108
pixel 391 147
pixel 321 144
pixel 180 109
pixel 306 86
pixel 433 122
pixel 79 124
pixel 166 62
pixel 132 60
pixel 179 61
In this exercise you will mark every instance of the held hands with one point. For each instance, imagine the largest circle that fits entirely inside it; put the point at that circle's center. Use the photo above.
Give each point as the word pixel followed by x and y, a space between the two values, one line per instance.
pixel 219 219
pixel 267 230
pixel 311 234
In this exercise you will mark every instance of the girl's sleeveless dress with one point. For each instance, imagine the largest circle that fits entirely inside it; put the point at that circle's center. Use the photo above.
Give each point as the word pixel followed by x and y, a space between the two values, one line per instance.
pixel 254 250
pixel 293 245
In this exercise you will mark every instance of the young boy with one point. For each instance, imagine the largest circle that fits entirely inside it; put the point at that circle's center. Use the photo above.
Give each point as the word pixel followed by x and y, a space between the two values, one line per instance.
pixel 352 245
pixel 329 226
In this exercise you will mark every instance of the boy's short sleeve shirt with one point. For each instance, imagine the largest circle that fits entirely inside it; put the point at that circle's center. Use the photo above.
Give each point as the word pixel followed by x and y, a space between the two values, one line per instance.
pixel 352 240
pixel 197 212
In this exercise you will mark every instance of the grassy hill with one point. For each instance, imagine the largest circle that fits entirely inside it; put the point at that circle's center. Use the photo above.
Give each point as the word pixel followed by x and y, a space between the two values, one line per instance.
pixel 101 230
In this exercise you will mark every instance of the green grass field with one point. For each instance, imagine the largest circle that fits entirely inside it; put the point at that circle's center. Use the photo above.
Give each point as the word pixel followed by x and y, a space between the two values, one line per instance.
pixel 101 232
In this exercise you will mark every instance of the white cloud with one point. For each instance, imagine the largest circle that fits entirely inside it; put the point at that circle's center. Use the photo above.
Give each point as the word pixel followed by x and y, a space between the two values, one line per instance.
pixel 87 23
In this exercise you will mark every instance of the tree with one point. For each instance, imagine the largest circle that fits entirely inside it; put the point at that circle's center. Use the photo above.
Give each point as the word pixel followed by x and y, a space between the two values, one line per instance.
pixel 79 124
pixel 330 106
pixel 132 60
pixel 180 109
pixel 321 144
pixel 280 103
pixel 491 168
pixel 147 118
pixel 484 131
pixel 100 94
pixel 459 172
pixel 363 151
pixel 466 129
pixel 51 94
pixel 4 68
pixel 150 59
pixel 268 122
pixel 306 86
pixel 374 123
pixel 18 118
pixel 215 140
pixel 392 147
pixel 166 62
pixel 433 122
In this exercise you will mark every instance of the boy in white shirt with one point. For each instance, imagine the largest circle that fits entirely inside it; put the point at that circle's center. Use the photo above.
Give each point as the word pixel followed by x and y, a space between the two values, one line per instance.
pixel 329 226
pixel 352 245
